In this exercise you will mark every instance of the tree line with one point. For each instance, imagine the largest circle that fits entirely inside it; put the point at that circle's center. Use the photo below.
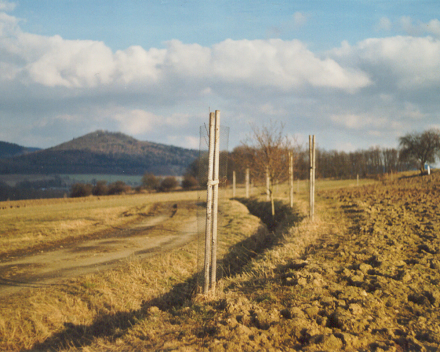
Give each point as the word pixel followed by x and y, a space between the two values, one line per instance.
pixel 266 153
pixel 342 165
pixel 150 183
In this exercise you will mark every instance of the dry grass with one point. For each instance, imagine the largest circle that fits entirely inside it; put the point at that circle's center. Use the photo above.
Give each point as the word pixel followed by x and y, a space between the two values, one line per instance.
pixel 103 306
pixel 35 223
pixel 295 240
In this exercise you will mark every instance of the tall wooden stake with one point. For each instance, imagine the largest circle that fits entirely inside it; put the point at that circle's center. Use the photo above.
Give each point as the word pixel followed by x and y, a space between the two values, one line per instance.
pixel 247 182
pixel 208 226
pixel 267 184
pixel 215 201
pixel 234 184
pixel 291 179
pixel 312 175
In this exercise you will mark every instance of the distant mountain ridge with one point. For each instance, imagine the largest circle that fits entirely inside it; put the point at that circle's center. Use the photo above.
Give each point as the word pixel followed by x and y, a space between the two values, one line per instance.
pixel 103 152
pixel 8 150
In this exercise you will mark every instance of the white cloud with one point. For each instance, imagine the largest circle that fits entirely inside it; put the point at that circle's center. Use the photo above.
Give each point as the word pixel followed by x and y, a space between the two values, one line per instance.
pixel 188 60
pixel 192 142
pixel 56 62
pixel 72 64
pixel 281 64
pixel 134 122
pixel 384 24
pixel 299 19
pixel 412 112
pixel 136 64
pixel 358 121
pixel 137 122
pixel 270 110
pixel 433 27
pixel 405 62
pixel 7 24
pixel 7 5
pixel 407 25
pixel 177 119
pixel 416 29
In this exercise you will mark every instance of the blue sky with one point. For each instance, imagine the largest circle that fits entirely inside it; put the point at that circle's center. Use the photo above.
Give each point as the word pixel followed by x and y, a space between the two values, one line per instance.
pixel 354 73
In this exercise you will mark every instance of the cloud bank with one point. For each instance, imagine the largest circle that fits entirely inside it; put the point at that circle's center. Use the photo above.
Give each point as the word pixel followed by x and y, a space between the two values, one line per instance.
pixel 367 93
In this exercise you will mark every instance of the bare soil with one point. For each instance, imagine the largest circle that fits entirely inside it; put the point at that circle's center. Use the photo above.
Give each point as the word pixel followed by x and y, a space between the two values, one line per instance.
pixel 166 226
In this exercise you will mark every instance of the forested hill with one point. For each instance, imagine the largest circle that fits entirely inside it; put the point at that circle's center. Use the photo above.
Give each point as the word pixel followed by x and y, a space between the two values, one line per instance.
pixel 103 152
pixel 8 150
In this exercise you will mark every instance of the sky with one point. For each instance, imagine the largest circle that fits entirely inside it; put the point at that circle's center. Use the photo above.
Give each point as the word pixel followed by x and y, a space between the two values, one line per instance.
pixel 355 73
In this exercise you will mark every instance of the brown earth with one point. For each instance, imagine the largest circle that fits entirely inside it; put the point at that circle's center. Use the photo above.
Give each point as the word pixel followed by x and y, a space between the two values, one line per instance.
pixel 166 226
pixel 363 277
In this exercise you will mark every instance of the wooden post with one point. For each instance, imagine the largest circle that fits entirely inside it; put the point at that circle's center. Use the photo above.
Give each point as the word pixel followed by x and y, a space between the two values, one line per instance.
pixel 247 182
pixel 267 184
pixel 272 203
pixel 234 180
pixel 291 179
pixel 312 176
pixel 357 180
pixel 208 226
pixel 215 201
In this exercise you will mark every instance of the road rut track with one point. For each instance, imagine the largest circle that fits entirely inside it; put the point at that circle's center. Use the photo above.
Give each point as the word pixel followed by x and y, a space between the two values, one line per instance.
pixel 164 227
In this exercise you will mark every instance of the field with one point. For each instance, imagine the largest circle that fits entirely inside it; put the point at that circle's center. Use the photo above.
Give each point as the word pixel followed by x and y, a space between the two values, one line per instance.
pixel 132 180
pixel 363 276
pixel 38 224
pixel 69 179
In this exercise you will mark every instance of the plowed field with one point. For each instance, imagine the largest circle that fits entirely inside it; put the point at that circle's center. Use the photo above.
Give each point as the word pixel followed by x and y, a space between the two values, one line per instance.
pixel 364 277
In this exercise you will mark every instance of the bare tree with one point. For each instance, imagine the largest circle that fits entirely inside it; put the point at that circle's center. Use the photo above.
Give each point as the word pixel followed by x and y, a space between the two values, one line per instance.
pixel 266 152
pixel 421 147
pixel 390 159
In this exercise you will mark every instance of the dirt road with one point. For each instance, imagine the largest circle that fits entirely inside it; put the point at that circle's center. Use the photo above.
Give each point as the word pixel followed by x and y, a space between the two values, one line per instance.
pixel 168 226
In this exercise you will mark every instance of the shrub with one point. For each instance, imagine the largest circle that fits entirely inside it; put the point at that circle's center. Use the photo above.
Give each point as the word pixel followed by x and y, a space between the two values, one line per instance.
pixel 168 183
pixel 100 189
pixel 150 182
pixel 118 187
pixel 81 190
pixel 189 181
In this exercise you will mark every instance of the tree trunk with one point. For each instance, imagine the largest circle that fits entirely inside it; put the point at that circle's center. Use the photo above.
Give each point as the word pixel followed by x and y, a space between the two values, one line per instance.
pixel 272 203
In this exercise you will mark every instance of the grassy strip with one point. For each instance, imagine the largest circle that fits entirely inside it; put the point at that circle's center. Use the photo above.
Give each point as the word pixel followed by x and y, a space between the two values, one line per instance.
pixel 284 215
pixel 36 224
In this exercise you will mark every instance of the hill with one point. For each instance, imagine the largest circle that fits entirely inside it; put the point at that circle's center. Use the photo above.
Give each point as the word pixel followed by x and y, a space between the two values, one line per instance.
pixel 103 152
pixel 9 150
